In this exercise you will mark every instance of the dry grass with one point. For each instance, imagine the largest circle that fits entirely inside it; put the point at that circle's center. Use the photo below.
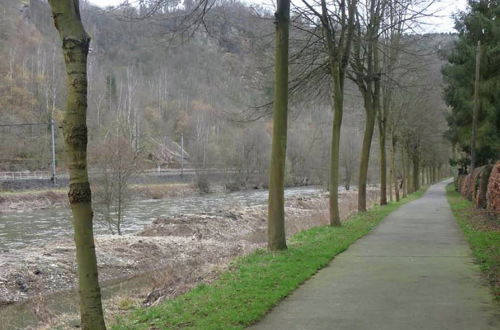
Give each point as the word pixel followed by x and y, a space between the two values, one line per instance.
pixel 28 200
pixel 160 191
pixel 40 199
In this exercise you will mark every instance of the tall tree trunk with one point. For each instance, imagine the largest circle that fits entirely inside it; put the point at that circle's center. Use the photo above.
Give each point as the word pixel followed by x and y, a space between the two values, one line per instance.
pixel 406 179
pixel 383 163
pixel 391 175
pixel 396 189
pixel 75 46
pixel 394 175
pixel 276 208
pixel 411 186
pixel 372 107
pixel 338 58
pixel 365 156
pixel 416 172
pixel 338 102
pixel 475 110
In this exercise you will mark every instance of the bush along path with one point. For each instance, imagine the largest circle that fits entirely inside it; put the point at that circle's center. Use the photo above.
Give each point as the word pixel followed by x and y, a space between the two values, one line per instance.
pixel 256 283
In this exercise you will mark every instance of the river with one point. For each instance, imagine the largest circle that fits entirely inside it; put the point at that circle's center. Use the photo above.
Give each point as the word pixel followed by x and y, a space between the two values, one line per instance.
pixel 30 228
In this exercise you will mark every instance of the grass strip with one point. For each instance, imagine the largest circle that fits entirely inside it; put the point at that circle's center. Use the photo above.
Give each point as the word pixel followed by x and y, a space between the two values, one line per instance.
pixel 257 282
pixel 483 234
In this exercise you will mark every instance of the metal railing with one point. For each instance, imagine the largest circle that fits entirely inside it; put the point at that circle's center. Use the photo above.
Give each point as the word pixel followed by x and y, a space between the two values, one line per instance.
pixel 25 175
pixel 47 175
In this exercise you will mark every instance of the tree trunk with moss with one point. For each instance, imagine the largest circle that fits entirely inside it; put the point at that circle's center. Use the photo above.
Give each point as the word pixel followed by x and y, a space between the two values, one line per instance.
pixel 276 207
pixel 75 47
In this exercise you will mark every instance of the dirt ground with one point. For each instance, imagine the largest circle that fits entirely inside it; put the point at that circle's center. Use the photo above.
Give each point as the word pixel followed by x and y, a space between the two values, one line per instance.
pixel 180 251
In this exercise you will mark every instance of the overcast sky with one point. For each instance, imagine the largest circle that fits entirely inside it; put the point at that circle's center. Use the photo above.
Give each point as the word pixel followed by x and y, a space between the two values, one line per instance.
pixel 441 22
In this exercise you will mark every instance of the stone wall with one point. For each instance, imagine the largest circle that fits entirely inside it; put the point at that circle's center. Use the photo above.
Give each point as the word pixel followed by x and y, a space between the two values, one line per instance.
pixel 480 192
pixel 482 187
pixel 493 191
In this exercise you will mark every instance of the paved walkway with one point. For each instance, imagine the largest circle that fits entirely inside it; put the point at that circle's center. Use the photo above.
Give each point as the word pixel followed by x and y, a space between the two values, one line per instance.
pixel 414 271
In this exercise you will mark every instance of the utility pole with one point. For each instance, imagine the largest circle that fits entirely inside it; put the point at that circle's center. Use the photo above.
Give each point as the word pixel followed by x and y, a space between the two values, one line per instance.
pixel 182 154
pixel 475 110
pixel 53 138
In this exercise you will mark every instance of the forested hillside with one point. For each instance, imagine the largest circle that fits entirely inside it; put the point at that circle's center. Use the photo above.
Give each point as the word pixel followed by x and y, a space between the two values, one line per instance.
pixel 150 84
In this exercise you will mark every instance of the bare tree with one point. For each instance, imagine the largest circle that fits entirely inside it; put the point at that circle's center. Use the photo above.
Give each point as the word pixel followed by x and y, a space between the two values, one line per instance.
pixel 276 209
pixel 117 163
pixel 75 46
pixel 366 73
pixel 324 34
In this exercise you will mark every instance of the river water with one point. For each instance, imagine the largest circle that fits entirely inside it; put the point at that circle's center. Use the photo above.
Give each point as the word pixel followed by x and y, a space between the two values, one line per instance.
pixel 30 228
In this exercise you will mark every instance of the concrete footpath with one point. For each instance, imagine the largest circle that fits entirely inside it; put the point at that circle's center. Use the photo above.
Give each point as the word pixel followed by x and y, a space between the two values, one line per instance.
pixel 414 271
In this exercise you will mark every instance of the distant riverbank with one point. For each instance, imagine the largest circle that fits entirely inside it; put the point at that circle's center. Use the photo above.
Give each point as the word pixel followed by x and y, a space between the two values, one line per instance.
pixel 28 200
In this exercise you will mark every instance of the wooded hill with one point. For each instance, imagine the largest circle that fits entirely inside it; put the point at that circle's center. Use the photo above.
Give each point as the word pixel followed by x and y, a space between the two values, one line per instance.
pixel 150 83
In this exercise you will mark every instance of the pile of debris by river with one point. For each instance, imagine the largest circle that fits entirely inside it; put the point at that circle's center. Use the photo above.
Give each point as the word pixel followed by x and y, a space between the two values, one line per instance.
pixel 183 247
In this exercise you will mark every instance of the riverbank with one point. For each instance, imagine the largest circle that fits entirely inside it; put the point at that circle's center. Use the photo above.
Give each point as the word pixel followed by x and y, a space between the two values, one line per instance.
pixel 178 252
pixel 29 200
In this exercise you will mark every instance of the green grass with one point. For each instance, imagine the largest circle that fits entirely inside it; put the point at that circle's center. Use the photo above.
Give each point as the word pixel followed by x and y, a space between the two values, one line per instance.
pixel 483 234
pixel 257 282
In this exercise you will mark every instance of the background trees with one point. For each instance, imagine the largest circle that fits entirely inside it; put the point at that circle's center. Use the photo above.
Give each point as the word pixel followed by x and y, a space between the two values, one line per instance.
pixel 479 24
pixel 205 89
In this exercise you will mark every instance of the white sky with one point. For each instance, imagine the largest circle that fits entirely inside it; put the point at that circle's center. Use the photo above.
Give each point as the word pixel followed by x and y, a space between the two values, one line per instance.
pixel 441 9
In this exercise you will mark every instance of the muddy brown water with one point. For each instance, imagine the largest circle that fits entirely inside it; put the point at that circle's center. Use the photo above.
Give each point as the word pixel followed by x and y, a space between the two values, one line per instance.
pixel 30 228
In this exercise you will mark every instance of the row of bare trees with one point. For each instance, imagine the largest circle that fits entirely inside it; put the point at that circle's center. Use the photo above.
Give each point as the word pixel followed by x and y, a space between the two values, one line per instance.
pixel 371 44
